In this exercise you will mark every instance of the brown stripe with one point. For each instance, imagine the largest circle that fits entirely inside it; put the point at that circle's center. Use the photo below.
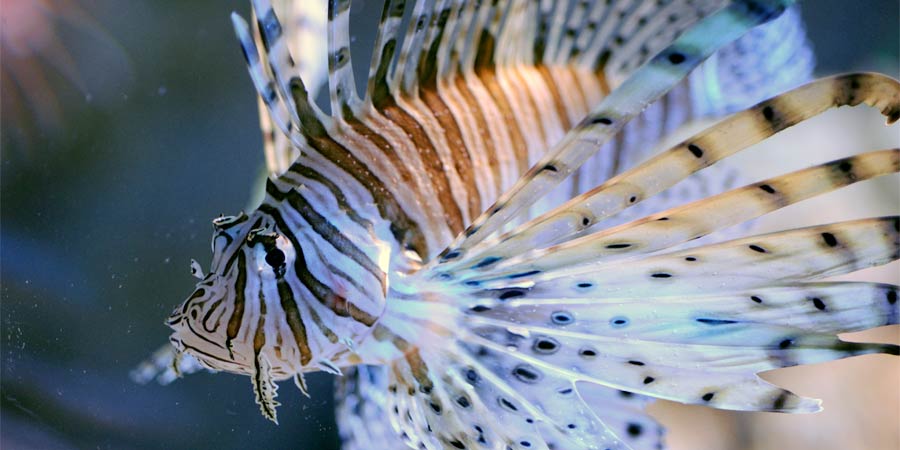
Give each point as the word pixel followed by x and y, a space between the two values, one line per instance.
pixel 484 134
pixel 434 167
pixel 402 226
pixel 484 70
pixel 419 369
pixel 329 232
pixel 411 353
pixel 259 338
pixel 237 316
pixel 321 325
pixel 295 323
pixel 312 174
pixel 557 98
pixel 384 102
pixel 519 84
pixel 324 294
pixel 416 241
pixel 489 79
pixel 462 160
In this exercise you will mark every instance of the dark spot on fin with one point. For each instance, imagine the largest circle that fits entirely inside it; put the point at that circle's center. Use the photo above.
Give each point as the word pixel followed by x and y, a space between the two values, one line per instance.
pixel 716 321
pixel 634 429
pixel 780 401
pixel 451 255
pixel 486 262
pixel 696 151
pixel 526 374
pixel 523 274
pixel 549 168
pixel 676 58
pixel 818 303
pixel 513 293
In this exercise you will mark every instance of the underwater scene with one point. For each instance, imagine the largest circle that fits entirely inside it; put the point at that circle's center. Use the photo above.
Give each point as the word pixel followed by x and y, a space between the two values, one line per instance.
pixel 450 224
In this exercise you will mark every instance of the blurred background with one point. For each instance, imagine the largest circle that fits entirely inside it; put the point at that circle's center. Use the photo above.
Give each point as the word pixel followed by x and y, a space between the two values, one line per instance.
pixel 125 129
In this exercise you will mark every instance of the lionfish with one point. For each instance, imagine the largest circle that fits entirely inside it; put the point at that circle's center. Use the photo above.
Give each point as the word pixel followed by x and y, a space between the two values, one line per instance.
pixel 489 252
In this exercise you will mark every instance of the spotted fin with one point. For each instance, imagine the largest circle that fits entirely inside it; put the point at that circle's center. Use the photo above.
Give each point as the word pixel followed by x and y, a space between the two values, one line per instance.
pixel 694 326
pixel 619 309
pixel 792 255
pixel 689 222
pixel 577 216
pixel 362 413
pixel 624 414
pixel 463 396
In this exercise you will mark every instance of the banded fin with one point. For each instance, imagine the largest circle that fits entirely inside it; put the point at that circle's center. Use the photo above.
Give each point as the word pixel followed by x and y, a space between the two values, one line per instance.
pixel 265 389
pixel 300 382
pixel 305 23
pixel 284 95
pixel 577 216
pixel 461 56
pixel 341 85
pixel 643 87
pixel 685 223
pixel 786 256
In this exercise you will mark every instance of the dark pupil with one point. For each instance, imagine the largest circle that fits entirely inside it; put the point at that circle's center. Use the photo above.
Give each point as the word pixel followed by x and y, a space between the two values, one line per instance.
pixel 275 258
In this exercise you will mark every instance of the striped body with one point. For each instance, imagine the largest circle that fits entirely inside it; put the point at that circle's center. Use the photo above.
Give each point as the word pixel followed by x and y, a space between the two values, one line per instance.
pixel 441 229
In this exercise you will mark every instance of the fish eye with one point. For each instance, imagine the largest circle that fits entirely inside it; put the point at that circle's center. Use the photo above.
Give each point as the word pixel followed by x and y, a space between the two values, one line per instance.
pixel 275 258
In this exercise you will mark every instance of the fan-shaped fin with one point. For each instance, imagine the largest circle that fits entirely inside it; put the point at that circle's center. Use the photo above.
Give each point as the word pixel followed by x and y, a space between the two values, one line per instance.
pixel 668 168
pixel 514 376
pixel 685 223
pixel 694 326
pixel 643 87
pixel 800 254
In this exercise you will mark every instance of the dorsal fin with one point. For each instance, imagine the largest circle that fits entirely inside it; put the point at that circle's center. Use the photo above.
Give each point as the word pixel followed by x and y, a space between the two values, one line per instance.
pixel 341 85
pixel 475 92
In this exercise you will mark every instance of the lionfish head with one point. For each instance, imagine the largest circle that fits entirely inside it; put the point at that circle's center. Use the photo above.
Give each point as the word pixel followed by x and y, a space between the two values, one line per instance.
pixel 275 298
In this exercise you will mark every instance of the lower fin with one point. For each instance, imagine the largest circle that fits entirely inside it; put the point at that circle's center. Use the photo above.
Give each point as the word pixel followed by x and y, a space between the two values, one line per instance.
pixel 165 365
pixel 361 413
pixel 264 389
pixel 508 363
